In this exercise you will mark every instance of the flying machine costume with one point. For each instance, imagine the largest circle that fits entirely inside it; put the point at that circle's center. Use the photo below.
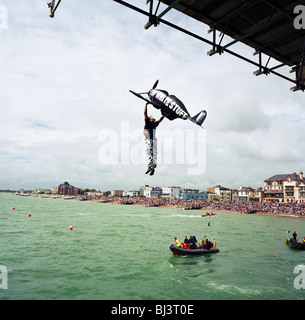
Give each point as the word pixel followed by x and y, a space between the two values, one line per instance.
pixel 171 108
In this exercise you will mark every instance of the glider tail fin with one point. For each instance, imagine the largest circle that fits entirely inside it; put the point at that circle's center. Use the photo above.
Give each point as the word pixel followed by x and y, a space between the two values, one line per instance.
pixel 199 118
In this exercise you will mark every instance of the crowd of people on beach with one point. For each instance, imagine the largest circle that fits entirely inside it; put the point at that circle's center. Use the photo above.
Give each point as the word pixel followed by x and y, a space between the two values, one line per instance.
pixel 236 206
pixel 264 207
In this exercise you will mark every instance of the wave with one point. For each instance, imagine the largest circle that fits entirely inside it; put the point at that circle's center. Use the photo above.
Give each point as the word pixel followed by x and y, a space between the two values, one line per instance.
pixel 235 290
pixel 184 216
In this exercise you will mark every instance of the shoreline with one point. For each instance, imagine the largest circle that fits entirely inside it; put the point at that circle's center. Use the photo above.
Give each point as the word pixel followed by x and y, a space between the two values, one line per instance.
pixel 207 205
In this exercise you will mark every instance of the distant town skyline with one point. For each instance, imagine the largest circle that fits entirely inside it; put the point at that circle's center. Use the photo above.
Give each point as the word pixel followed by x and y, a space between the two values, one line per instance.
pixel 282 188
pixel 50 186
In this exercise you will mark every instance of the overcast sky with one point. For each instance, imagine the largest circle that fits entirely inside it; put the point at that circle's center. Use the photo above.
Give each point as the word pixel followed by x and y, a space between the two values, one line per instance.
pixel 67 114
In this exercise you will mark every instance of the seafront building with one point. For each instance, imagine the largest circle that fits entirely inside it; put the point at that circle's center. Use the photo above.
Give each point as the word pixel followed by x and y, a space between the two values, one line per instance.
pixel 55 190
pixel 220 193
pixel 143 190
pixel 117 193
pixel 193 195
pixel 156 192
pixel 285 188
pixel 242 194
pixel 247 194
pixel 171 192
pixel 131 193
pixel 67 189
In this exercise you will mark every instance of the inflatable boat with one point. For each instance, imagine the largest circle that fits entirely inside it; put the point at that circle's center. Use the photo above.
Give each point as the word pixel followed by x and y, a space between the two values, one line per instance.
pixel 208 215
pixel 295 245
pixel 178 251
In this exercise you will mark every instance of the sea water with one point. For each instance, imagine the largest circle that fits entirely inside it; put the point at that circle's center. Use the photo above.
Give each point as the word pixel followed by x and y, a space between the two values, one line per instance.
pixel 121 252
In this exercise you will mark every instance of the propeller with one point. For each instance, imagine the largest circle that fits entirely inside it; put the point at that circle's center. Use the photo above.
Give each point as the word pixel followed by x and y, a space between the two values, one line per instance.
pixel 155 85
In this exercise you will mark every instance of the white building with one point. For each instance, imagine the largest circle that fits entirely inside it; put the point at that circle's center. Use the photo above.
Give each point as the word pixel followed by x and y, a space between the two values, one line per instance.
pixel 95 193
pixel 55 190
pixel 143 190
pixel 220 193
pixel 131 193
pixel 171 192
pixel 147 191
pixel 246 193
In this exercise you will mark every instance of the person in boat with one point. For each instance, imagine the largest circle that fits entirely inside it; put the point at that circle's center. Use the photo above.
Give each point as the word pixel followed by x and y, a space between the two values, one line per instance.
pixel 150 140
pixel 193 241
pixel 186 240
pixel 207 244
pixel 177 242
pixel 295 236
pixel 201 244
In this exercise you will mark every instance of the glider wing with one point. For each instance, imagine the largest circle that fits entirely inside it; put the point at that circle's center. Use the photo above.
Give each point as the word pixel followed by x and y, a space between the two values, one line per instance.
pixel 139 96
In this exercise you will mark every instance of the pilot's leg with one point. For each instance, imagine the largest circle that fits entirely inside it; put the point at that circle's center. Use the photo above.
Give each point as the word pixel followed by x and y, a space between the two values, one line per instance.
pixel 149 154
pixel 154 152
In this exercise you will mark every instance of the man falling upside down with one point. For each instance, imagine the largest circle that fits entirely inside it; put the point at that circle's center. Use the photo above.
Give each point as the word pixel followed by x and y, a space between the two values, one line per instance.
pixel 150 141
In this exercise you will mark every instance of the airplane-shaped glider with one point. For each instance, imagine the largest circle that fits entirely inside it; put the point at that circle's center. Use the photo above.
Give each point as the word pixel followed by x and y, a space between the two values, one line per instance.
pixel 169 105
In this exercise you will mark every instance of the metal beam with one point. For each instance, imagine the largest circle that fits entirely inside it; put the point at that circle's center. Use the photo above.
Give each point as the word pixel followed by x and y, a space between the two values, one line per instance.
pixel 154 19
pixel 218 48
pixel 233 12
pixel 289 62
pixel 257 30
pixel 222 49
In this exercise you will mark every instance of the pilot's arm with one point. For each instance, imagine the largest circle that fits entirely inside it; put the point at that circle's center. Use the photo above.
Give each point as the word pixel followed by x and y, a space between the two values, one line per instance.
pixel 160 119
pixel 145 110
